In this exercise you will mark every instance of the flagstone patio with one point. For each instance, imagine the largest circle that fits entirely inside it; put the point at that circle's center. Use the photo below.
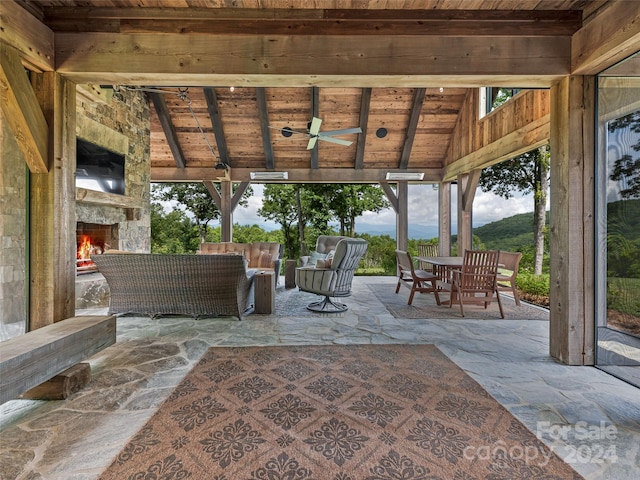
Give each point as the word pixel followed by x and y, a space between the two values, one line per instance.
pixel 590 418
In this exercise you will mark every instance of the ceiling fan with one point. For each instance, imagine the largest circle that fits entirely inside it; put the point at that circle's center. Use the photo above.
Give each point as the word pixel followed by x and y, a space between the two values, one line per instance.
pixel 315 134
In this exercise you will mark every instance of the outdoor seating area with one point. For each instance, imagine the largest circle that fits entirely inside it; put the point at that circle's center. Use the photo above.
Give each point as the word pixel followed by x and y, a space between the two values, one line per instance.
pixel 157 353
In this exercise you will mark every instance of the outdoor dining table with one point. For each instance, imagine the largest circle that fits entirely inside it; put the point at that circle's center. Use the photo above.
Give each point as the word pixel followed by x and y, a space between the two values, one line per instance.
pixel 442 268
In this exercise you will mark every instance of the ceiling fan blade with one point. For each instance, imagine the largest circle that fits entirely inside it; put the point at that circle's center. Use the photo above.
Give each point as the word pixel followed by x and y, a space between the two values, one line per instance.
pixel 344 131
pixel 312 143
pixel 339 141
pixel 315 126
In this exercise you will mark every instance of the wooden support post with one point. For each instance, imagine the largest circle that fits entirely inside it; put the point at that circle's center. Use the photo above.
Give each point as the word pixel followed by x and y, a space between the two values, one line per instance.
pixel 444 219
pixel 53 208
pixel 226 217
pixel 572 233
pixel 467 185
pixel 62 385
pixel 402 217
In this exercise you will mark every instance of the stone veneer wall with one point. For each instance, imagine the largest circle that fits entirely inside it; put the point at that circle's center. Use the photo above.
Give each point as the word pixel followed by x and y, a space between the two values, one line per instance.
pixel 13 235
pixel 130 117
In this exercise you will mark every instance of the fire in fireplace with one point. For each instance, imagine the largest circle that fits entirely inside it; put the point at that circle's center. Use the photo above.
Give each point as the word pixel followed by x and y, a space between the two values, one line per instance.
pixel 93 239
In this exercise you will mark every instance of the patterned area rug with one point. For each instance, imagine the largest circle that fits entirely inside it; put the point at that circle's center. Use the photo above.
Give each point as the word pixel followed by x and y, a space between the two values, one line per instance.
pixel 424 306
pixel 360 412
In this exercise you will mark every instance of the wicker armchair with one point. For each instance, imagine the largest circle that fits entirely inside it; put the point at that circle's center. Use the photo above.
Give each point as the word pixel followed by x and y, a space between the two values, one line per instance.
pixel 194 285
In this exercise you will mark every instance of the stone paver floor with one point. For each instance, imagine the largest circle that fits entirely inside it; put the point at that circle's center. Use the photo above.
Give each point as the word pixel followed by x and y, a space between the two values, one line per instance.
pixel 591 419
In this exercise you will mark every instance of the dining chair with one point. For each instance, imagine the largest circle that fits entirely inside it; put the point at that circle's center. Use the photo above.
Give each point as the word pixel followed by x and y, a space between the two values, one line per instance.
pixel 427 250
pixel 417 280
pixel 476 282
pixel 508 263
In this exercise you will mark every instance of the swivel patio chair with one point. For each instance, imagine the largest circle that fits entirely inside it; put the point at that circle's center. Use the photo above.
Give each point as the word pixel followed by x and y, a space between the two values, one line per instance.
pixel 417 280
pixel 334 280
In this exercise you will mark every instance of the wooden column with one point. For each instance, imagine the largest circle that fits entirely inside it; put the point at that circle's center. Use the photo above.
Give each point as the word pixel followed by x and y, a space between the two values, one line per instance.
pixel 571 233
pixel 444 219
pixel 467 184
pixel 402 216
pixel 53 208
pixel 226 216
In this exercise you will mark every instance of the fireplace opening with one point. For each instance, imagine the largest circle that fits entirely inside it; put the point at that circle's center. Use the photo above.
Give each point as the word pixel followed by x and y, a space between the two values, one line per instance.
pixel 93 239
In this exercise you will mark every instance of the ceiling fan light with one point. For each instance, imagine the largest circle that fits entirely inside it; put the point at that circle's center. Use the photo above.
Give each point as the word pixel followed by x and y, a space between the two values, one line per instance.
pixel 405 175
pixel 269 175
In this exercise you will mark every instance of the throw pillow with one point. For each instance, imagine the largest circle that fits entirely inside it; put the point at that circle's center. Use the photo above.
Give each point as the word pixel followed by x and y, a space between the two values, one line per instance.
pixel 265 260
pixel 315 256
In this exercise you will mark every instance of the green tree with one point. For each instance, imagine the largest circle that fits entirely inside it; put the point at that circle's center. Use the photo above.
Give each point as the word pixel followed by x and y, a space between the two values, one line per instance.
pixel 349 201
pixel 195 199
pixel 626 169
pixel 172 232
pixel 279 204
pixel 526 173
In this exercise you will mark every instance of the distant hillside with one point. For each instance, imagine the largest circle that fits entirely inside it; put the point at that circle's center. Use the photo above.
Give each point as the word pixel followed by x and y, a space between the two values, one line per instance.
pixel 510 233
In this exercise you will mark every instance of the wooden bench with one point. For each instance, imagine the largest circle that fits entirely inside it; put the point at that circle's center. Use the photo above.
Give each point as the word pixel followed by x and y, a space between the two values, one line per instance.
pixel 37 356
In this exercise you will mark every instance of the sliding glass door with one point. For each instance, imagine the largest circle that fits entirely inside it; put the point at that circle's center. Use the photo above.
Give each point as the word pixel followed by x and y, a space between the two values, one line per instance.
pixel 618 184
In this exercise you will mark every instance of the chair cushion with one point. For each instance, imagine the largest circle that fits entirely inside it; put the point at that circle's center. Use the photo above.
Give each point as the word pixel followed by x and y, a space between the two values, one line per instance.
pixel 317 280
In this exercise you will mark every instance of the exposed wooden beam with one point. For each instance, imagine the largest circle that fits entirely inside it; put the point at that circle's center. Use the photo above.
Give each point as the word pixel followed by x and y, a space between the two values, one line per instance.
pixel 365 103
pixel 414 117
pixel 170 133
pixel 317 21
pixel 216 124
pixel 533 135
pixel 610 36
pixel 160 59
pixel 391 195
pixel 315 112
pixel 31 38
pixel 213 191
pixel 263 117
pixel 300 175
pixel 237 195
pixel 22 111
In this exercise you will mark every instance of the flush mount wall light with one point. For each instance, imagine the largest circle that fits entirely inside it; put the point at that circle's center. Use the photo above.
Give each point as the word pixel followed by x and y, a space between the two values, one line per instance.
pixel 405 175
pixel 269 175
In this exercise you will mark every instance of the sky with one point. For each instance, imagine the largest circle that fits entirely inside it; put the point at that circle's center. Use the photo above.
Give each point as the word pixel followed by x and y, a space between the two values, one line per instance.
pixel 423 209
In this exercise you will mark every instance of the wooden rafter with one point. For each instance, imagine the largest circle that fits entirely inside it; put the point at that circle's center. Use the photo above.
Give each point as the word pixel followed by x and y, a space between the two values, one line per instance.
pixel 365 103
pixel 216 124
pixel 414 118
pixel 263 117
pixel 160 106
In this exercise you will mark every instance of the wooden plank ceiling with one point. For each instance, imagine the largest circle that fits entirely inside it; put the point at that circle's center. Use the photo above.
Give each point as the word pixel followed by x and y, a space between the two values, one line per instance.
pixel 404 127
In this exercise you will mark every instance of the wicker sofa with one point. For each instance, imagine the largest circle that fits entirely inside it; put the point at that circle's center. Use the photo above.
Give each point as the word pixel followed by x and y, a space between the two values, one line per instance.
pixel 194 285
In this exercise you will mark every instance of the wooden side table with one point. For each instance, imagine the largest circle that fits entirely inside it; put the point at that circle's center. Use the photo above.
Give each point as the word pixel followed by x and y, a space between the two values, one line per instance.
pixel 264 292
pixel 290 273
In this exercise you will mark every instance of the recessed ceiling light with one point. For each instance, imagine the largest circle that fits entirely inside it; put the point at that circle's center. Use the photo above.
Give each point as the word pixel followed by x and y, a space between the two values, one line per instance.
pixel 381 132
